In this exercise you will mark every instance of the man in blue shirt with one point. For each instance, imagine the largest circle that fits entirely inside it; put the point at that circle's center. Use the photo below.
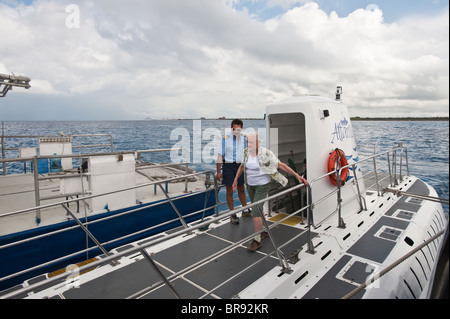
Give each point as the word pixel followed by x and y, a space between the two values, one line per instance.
pixel 228 160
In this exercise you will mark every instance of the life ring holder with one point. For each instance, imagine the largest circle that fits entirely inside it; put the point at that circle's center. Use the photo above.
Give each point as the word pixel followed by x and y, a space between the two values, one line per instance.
pixel 337 157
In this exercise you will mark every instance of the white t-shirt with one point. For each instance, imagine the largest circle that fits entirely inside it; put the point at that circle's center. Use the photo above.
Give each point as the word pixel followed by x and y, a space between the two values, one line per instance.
pixel 255 175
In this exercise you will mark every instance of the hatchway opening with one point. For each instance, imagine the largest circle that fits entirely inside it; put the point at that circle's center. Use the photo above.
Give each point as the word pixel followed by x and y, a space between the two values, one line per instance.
pixel 287 139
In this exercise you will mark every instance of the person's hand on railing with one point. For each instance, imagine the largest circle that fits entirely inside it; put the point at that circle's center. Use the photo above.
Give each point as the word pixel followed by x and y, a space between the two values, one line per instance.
pixel 301 179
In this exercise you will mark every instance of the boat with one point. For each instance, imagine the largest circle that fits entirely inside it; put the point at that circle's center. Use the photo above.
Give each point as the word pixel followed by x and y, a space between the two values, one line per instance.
pixel 65 203
pixel 363 228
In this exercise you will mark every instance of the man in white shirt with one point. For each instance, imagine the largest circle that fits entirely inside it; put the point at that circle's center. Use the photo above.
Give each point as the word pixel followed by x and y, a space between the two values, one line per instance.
pixel 228 162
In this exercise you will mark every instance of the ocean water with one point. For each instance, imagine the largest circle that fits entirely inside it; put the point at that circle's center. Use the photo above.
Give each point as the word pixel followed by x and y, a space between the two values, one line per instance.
pixel 427 141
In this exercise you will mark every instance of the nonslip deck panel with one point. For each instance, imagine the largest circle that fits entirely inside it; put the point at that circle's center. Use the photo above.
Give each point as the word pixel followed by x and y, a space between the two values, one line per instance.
pixel 118 284
pixel 222 268
pixel 375 248
pixel 224 271
pixel 185 290
pixel 189 252
pixel 330 287
pixel 227 266
pixel 281 233
pixel 420 188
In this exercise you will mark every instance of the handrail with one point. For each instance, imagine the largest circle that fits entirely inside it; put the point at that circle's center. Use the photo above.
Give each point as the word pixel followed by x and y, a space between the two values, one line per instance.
pixel 4 149
pixel 98 195
pixel 176 178
pixel 194 226
pixel 88 248
pixel 337 191
pixel 80 174
pixel 82 225
pixel 142 185
pixel 281 258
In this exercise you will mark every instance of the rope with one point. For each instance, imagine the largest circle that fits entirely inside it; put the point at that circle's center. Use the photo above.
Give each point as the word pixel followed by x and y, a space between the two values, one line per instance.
pixel 424 197
pixel 392 266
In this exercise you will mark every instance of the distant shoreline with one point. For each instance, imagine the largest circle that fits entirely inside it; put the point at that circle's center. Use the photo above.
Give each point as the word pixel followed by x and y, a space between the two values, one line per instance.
pixel 424 119
pixel 400 118
pixel 356 118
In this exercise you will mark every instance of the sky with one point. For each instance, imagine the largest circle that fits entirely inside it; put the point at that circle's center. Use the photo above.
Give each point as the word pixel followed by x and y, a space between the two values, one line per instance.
pixel 128 60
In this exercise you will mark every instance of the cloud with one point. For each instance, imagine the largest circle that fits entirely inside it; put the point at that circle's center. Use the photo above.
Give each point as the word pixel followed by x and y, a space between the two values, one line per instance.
pixel 167 58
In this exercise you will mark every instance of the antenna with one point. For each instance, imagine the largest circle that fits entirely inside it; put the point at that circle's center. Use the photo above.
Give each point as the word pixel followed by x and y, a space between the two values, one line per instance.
pixel 339 93
pixel 7 82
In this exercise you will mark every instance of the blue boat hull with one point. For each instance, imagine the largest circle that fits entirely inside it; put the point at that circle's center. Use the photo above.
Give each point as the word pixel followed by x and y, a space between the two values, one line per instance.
pixel 48 248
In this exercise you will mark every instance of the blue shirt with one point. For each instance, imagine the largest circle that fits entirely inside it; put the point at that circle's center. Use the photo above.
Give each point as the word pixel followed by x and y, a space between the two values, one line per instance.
pixel 231 149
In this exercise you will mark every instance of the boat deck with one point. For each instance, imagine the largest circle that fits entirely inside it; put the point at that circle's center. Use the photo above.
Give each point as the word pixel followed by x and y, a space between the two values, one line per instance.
pixel 343 255
pixel 222 275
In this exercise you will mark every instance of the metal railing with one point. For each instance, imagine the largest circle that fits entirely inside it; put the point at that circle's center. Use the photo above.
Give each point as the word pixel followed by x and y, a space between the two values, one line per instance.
pixel 79 173
pixel 85 225
pixel 35 146
pixel 283 261
pixel 184 231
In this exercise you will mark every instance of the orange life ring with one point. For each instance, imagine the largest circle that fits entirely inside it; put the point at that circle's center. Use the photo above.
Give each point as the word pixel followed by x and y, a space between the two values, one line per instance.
pixel 337 156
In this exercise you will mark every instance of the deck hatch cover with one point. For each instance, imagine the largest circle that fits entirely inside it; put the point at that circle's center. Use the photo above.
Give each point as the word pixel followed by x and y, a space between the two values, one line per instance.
pixel 358 272
pixel 404 214
pixel 389 233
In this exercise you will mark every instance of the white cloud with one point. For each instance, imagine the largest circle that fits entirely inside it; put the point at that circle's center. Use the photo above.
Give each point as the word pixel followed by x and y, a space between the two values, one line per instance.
pixel 204 58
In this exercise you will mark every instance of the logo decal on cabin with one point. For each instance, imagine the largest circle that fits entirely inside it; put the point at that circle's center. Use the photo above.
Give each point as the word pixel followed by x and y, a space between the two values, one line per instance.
pixel 342 130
